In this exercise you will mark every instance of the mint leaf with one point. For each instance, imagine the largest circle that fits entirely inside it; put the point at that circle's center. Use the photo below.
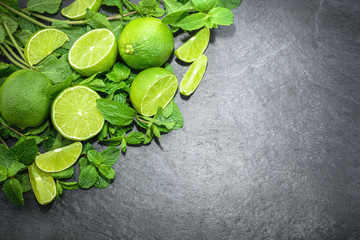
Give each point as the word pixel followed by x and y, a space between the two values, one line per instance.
pixel 25 151
pixel 10 22
pixel 158 12
pixel 88 177
pixel 123 144
pixel 117 27
pixel 204 5
pixel 24 181
pixel 95 157
pixel 97 20
pixel 13 191
pixel 22 36
pixel 69 185
pixel 172 6
pixel 15 168
pixel 110 155
pixel 147 6
pixel 83 163
pixel 114 3
pixel 65 174
pixel 221 16
pixel 135 138
pixel 2 34
pixel 192 22
pixel 37 130
pixel 107 171
pixel 3 174
pixel 175 18
pixel 148 136
pixel 102 181
pixel 118 73
pixel 26 25
pixel 167 111
pixel 7 158
pixel 230 4
pixel 56 69
pixel 41 6
pixel 56 89
pixel 175 117
pixel 115 112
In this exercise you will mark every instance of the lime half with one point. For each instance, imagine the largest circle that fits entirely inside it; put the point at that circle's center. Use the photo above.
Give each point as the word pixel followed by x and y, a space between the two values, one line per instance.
pixel 77 9
pixel 43 184
pixel 74 113
pixel 194 47
pixel 60 158
pixel 193 76
pixel 152 88
pixel 42 44
pixel 95 51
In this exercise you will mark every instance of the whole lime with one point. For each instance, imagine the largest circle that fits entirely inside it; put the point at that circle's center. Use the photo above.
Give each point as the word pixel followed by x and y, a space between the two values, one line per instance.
pixel 24 99
pixel 145 42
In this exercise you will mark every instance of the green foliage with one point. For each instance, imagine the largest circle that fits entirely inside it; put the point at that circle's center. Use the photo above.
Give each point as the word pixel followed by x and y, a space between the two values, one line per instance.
pixel 42 6
pixel 65 174
pixel 230 4
pixel 13 191
pixel 97 20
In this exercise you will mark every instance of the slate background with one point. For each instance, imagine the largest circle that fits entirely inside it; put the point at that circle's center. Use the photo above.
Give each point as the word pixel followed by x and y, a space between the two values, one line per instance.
pixel 269 150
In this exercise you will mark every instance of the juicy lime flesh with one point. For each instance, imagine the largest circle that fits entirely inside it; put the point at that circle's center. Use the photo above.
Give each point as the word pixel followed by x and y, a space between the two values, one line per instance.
pixel 24 99
pixel 77 10
pixel 74 113
pixel 60 158
pixel 43 184
pixel 43 43
pixel 194 47
pixel 93 52
pixel 193 76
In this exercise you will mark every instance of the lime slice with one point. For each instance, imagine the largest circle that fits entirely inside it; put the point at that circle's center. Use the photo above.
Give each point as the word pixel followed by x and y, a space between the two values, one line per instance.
pixel 43 184
pixel 194 47
pixel 152 88
pixel 42 43
pixel 60 158
pixel 95 51
pixel 74 113
pixel 77 10
pixel 193 76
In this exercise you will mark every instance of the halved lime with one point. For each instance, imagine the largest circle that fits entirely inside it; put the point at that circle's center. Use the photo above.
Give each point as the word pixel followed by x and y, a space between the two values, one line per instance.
pixel 43 184
pixel 43 43
pixel 95 51
pixel 193 76
pixel 77 9
pixel 194 47
pixel 74 113
pixel 59 159
pixel 152 88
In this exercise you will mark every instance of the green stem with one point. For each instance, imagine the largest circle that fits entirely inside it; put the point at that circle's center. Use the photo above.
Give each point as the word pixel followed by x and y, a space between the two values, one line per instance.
pixel 12 45
pixel 12 59
pixel 138 118
pixel 3 142
pixel 17 57
pixel 12 129
pixel 13 40
pixel 23 15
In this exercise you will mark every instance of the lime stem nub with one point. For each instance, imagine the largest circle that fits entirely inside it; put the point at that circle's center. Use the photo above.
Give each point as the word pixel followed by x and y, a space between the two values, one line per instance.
pixel 129 49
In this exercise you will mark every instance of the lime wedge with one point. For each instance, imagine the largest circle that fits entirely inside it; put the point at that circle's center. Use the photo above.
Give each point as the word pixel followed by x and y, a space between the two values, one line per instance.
pixel 43 43
pixel 43 185
pixel 95 51
pixel 60 158
pixel 152 88
pixel 74 113
pixel 193 76
pixel 77 9
pixel 194 47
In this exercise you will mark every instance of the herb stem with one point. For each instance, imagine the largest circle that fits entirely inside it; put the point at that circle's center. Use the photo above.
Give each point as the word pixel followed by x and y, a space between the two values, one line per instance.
pixel 13 40
pixel 3 142
pixel 23 15
pixel 12 45
pixel 12 129
pixel 17 57
pixel 138 118
pixel 11 58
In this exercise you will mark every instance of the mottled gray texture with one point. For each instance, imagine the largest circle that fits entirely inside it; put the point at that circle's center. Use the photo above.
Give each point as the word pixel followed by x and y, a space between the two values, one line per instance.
pixel 269 150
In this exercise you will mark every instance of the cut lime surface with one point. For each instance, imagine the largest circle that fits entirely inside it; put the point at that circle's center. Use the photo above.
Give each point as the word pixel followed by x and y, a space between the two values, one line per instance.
pixel 74 113
pixel 43 43
pixel 43 184
pixel 152 88
pixel 193 76
pixel 95 51
pixel 59 159
pixel 77 9
pixel 194 47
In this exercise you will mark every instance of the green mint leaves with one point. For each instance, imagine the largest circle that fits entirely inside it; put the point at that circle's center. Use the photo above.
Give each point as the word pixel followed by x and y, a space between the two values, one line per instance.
pixel 41 6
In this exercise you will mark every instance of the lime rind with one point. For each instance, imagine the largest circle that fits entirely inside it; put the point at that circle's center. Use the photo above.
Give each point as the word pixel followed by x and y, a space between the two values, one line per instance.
pixel 193 76
pixel 77 9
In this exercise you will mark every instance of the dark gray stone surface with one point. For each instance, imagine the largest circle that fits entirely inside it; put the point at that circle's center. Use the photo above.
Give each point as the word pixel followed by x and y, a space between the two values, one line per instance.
pixel 269 150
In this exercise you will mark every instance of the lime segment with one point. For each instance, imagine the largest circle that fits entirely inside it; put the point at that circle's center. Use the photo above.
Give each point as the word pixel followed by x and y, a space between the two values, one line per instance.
pixel 60 158
pixel 74 113
pixel 43 43
pixel 77 9
pixel 43 184
pixel 194 47
pixel 193 76
pixel 152 88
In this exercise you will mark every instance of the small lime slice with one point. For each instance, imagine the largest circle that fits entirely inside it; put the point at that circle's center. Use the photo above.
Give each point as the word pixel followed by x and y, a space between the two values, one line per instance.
pixel 194 47
pixel 77 9
pixel 152 88
pixel 43 43
pixel 95 51
pixel 74 113
pixel 43 185
pixel 193 76
pixel 60 158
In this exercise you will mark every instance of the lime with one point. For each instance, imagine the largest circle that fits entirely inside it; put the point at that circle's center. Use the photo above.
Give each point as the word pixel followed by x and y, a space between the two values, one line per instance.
pixel 74 113
pixel 145 43
pixel 42 43
pixel 193 76
pixel 77 9
pixel 194 47
pixel 95 51
pixel 152 88
pixel 59 159
pixel 43 185
pixel 24 99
